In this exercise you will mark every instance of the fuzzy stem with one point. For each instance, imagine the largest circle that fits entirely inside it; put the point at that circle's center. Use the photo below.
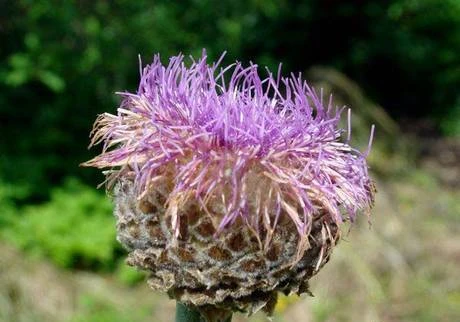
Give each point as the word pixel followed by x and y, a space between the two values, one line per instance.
pixel 186 313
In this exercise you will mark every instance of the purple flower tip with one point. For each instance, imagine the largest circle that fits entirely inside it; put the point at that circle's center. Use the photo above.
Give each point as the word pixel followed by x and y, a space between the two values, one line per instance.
pixel 261 148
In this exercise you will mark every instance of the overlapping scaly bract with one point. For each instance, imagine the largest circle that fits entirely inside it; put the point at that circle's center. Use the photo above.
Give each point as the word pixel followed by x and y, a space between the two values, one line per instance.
pixel 208 127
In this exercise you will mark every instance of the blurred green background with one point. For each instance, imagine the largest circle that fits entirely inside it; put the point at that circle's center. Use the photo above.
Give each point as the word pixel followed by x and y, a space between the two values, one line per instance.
pixel 396 63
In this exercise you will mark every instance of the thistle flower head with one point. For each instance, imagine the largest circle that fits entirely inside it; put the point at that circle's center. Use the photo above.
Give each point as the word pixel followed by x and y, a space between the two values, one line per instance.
pixel 212 127
pixel 247 151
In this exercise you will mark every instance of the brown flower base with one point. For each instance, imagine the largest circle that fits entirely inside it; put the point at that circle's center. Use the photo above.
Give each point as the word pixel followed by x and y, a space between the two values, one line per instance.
pixel 231 271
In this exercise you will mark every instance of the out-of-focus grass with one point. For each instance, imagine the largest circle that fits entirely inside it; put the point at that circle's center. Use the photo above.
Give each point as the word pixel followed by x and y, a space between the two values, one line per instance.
pixel 34 290
pixel 404 267
pixel 93 309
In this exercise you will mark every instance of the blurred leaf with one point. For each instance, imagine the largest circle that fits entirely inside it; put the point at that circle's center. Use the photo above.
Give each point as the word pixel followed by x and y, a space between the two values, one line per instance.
pixel 32 41
pixel 17 78
pixel 92 26
pixel 20 61
pixel 51 80
pixel 20 71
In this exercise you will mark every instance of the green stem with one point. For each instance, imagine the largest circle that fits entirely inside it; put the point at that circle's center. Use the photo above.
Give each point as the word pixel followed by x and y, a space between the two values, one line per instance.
pixel 186 313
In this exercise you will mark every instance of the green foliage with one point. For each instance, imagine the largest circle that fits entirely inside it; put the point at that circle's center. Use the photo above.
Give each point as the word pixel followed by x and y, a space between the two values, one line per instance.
pixel 75 229
pixel 60 63
pixel 403 52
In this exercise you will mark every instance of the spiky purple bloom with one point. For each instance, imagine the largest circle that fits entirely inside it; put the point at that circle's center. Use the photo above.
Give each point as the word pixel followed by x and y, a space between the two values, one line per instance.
pixel 262 147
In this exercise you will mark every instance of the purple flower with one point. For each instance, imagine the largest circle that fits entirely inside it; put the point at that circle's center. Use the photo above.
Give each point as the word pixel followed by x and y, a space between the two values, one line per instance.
pixel 260 148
